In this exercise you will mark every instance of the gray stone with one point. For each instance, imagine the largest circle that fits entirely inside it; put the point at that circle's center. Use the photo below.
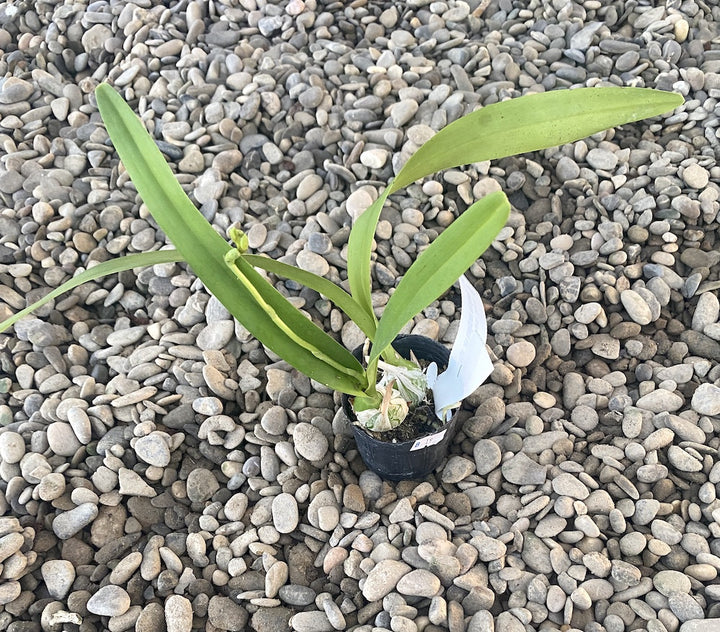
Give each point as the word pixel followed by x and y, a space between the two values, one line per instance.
pixel 522 470
pixel 109 601
pixel 487 456
pixel 310 443
pixel 660 400
pixel 201 485
pixel 403 111
pixel 58 576
pixel 457 469
pixel 705 400
pixel 636 307
pixel 68 523
pixel 695 176
pixel 383 578
pixel 12 447
pixel 14 90
pixel 225 614
pixel 520 354
pixel 178 614
pixel 567 169
pixel 62 439
pixel 285 513
pixel 153 449
pixel 602 159
pixel 684 607
pixel 667 582
pixel 566 484
pixel 419 583
pixel 311 621
pixel 132 484
pixel 706 312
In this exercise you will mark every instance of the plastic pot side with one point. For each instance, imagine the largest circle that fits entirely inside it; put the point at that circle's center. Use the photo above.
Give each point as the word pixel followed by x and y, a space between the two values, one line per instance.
pixel 418 457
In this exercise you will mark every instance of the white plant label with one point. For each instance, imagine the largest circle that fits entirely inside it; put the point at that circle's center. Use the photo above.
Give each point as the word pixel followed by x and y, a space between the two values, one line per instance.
pixel 432 439
pixel 469 364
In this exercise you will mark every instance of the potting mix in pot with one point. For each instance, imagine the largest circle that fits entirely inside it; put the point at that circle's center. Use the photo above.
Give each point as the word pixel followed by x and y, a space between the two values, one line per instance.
pixel 400 392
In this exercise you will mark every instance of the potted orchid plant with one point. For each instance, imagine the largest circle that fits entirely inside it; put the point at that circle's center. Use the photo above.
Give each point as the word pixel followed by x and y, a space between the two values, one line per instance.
pixel 388 379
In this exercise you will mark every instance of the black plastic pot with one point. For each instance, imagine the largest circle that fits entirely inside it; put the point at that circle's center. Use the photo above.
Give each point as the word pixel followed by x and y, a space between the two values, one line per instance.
pixel 408 459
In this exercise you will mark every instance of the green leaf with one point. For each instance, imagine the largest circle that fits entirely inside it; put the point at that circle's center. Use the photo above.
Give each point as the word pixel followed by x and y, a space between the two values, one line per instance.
pixel 140 260
pixel 321 285
pixel 528 123
pixel 290 324
pixel 205 250
pixel 441 264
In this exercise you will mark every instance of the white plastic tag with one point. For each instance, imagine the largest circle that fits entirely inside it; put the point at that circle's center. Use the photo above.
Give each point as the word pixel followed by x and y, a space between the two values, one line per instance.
pixel 432 439
pixel 469 364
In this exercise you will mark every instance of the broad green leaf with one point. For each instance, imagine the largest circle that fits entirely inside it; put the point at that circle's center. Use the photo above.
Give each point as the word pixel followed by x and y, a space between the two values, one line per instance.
pixel 205 250
pixel 528 123
pixel 441 264
pixel 290 323
pixel 323 286
pixel 140 260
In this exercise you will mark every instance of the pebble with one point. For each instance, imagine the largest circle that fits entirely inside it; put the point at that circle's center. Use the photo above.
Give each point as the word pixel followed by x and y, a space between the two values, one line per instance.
pixel 225 614
pixel 132 484
pixel 14 90
pixel 10 544
pixel 705 400
pixel 695 176
pixel 68 523
pixel 419 583
pixel 310 442
pixel 522 470
pixel 660 400
pixel 705 624
pixel 178 614
pixel 58 576
pixel 150 618
pixel 457 469
pixel 567 169
pixel 201 485
pixel 707 311
pixel 153 449
pixel 357 202
pixel 383 579
pixel 285 513
pixel 636 307
pixel 12 447
pixel 521 354
pixel 669 581
pixel 275 420
pixel 602 159
pixel 487 456
pixel 403 111
pixel 568 485
pixel 684 607
pixel 109 601
pixel 311 621
pixel 62 439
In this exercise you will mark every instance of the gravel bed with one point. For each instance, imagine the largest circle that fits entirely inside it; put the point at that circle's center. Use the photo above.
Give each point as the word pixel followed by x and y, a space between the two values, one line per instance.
pixel 161 471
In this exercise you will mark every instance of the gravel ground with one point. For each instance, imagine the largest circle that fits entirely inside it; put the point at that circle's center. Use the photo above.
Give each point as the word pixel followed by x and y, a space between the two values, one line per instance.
pixel 159 470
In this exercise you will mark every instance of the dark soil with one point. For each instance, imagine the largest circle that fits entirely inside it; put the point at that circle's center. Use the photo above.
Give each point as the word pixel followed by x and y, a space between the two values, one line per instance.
pixel 421 420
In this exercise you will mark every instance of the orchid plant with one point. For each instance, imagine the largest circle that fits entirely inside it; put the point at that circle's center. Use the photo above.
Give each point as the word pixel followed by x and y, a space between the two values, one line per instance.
pixel 385 387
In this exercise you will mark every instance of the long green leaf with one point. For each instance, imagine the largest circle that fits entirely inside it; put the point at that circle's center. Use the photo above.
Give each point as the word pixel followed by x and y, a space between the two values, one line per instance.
pixel 204 250
pixel 139 260
pixel 321 285
pixel 528 123
pixel 287 319
pixel 440 265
